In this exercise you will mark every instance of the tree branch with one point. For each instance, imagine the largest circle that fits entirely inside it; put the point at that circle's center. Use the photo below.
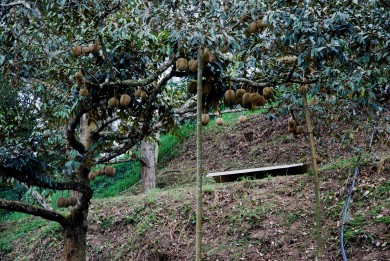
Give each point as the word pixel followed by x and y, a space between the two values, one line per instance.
pixel 104 125
pixel 136 83
pixel 71 133
pixel 247 81
pixel 35 179
pixel 33 210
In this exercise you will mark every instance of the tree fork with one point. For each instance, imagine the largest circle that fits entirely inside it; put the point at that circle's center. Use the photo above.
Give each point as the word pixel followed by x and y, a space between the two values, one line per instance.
pixel 316 182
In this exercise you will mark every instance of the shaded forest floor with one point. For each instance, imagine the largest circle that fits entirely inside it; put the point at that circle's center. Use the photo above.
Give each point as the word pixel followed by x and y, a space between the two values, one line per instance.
pixel 268 219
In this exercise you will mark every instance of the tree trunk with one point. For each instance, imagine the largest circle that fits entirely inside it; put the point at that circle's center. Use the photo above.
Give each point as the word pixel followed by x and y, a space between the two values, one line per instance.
pixel 75 230
pixel 156 147
pixel 85 132
pixel 148 175
pixel 75 242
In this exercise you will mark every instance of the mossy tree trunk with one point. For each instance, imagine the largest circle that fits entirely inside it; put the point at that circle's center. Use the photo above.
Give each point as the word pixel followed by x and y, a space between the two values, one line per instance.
pixel 316 180
pixel 75 241
pixel 199 170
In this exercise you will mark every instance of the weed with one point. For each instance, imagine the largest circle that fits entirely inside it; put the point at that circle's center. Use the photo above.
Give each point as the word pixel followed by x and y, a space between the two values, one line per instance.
pixel 292 217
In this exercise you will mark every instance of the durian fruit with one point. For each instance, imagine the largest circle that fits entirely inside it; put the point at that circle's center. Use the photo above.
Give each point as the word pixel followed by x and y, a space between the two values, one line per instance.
pixel 219 121
pixel 292 123
pixel 73 201
pixel 206 55
pixel 125 100
pixel 267 92
pixel 84 49
pixel 224 49
pixel 100 172
pixel 78 76
pixel 212 58
pixel 76 51
pixel 193 65
pixel 253 27
pixel 92 176
pixel 60 202
pixel 137 93
pixel 192 86
pixel 95 47
pixel 246 101
pixel 92 125
pixel 242 118
pixel 318 159
pixel 143 95
pixel 257 99
pixel 113 102
pixel 260 24
pixel 109 171
pixel 298 130
pixel 206 88
pixel 303 89
pixel 205 119
pixel 239 94
pixel 291 129
pixel 244 18
pixel 230 97
pixel 246 32
pixel 83 92
pixel 182 64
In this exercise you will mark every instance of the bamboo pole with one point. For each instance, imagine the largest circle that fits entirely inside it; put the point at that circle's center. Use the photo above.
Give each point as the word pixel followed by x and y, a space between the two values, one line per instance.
pixel 199 159
pixel 316 182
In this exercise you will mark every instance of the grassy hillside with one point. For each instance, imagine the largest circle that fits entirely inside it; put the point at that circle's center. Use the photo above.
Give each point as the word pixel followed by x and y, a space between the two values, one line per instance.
pixel 269 219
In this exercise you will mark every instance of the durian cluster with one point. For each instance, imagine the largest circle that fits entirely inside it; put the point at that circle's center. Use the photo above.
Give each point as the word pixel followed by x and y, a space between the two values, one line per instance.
pixel 254 26
pixel 247 100
pixel 107 171
pixel 293 127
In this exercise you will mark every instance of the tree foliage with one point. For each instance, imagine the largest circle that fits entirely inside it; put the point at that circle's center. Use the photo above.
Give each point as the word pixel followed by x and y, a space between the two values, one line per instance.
pixel 118 47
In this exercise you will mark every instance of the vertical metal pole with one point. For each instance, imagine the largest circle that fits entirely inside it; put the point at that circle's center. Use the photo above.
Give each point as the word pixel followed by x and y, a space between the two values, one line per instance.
pixel 199 169
pixel 316 182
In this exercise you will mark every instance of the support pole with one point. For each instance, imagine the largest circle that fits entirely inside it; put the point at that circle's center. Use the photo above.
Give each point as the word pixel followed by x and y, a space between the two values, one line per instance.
pixel 316 182
pixel 199 159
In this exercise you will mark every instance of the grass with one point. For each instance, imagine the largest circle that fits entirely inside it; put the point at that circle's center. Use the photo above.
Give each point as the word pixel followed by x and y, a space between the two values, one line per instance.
pixel 25 225
pixel 127 174
pixel 169 142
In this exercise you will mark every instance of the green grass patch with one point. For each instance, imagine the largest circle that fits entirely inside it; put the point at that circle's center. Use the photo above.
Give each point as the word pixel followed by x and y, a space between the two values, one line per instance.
pixel 22 227
pixel 127 174
pixel 169 142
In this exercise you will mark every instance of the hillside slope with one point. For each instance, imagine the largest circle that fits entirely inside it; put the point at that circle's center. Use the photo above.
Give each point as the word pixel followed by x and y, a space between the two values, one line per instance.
pixel 269 219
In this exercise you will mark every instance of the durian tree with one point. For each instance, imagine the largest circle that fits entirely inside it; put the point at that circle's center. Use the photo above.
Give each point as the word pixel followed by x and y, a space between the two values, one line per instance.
pixel 86 77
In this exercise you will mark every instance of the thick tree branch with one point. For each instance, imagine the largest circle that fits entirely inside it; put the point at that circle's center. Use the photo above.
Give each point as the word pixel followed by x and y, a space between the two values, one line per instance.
pixel 71 133
pixel 128 145
pixel 105 124
pixel 247 81
pixel 136 83
pixel 33 210
pixel 35 179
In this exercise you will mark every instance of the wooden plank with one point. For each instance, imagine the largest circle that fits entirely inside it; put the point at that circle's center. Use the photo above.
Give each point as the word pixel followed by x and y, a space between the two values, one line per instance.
pixel 258 173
